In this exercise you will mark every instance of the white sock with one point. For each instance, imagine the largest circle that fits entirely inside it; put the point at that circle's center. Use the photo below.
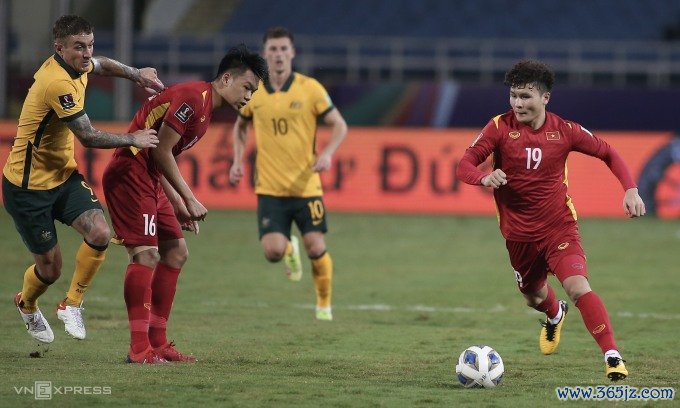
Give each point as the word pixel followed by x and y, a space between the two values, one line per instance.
pixel 557 318
pixel 612 353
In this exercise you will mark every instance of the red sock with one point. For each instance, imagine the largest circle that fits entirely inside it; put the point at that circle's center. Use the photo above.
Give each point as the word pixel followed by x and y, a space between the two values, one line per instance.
pixel 550 306
pixel 137 285
pixel 596 320
pixel 163 288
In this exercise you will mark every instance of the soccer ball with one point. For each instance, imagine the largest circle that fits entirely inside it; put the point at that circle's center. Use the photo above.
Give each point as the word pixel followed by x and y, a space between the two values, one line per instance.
pixel 479 366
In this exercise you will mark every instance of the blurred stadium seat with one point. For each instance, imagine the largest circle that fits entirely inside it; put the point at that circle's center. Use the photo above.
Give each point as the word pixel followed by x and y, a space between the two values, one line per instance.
pixel 391 52
pixel 520 19
pixel 600 41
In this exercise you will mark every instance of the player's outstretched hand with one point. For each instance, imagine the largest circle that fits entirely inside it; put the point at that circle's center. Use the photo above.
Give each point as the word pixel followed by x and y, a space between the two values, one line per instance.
pixel 495 179
pixel 633 205
pixel 191 226
pixel 196 210
pixel 145 138
pixel 323 163
pixel 183 215
pixel 148 79
pixel 235 173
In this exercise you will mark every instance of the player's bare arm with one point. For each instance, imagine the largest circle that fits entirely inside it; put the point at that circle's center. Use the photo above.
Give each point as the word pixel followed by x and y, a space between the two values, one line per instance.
pixel 495 179
pixel 165 161
pixel 338 133
pixel 91 137
pixel 180 209
pixel 240 137
pixel 145 77
pixel 633 206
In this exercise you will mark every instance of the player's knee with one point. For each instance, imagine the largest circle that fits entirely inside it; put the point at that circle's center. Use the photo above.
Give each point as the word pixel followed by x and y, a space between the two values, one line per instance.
pixel 315 251
pixel 49 269
pixel 50 273
pixel 274 254
pixel 177 257
pixel 576 294
pixel 532 293
pixel 315 245
pixel 315 248
pixel 532 300
pixel 99 235
pixel 576 286
pixel 149 257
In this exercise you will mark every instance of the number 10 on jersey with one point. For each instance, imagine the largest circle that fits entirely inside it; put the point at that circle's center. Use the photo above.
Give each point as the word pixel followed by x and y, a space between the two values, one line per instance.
pixel 280 126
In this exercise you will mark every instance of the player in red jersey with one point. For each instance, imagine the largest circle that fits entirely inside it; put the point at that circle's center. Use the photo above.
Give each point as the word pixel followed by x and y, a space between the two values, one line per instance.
pixel 536 215
pixel 150 202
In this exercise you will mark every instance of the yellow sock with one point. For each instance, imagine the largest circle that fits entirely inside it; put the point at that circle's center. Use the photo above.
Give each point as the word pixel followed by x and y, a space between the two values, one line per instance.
pixel 289 249
pixel 88 260
pixel 34 286
pixel 322 271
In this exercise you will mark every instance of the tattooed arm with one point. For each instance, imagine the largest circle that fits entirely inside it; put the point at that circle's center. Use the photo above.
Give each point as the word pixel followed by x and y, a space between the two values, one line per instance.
pixel 91 137
pixel 144 77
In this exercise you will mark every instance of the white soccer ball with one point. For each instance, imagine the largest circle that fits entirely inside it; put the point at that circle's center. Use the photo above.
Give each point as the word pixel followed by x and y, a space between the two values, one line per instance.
pixel 480 366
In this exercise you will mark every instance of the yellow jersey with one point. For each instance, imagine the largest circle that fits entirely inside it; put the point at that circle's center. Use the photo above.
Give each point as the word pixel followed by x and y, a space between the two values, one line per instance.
pixel 285 123
pixel 42 155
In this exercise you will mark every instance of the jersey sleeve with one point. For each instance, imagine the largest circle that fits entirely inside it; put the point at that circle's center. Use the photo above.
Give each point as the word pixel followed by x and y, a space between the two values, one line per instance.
pixel 585 142
pixel 483 146
pixel 60 96
pixel 321 101
pixel 184 108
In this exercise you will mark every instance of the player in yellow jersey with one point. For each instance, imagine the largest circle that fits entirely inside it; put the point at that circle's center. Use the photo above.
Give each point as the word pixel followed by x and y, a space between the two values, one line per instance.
pixel 287 181
pixel 40 181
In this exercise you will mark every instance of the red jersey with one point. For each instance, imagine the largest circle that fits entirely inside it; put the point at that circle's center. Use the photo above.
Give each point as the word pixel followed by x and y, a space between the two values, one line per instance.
pixel 535 201
pixel 186 108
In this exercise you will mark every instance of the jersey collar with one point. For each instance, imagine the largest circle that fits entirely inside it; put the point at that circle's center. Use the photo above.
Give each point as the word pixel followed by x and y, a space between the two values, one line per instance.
pixel 284 88
pixel 69 69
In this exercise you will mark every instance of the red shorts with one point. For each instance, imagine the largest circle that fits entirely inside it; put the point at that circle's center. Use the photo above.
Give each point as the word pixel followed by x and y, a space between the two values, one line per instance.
pixel 140 211
pixel 561 254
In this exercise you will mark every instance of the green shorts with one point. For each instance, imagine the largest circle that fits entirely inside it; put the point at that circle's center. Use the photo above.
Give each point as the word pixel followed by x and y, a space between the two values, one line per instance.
pixel 34 211
pixel 277 214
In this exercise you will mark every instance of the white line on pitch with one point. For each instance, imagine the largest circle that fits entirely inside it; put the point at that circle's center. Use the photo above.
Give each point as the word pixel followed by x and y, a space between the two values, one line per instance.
pixel 381 307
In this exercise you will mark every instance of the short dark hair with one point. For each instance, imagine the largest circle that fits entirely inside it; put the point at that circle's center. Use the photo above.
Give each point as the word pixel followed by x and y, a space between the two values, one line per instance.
pixel 70 25
pixel 527 72
pixel 278 32
pixel 239 59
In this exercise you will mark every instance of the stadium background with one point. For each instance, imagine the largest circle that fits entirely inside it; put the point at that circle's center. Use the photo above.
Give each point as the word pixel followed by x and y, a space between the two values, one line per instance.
pixel 414 80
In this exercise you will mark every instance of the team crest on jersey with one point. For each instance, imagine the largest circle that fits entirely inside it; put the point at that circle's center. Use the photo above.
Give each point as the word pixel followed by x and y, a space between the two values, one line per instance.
pixel 67 101
pixel 296 105
pixel 45 236
pixel 552 135
pixel 514 135
pixel 184 113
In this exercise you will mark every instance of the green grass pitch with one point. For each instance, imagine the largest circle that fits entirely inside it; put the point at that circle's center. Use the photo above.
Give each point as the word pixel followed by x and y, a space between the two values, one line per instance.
pixel 411 292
